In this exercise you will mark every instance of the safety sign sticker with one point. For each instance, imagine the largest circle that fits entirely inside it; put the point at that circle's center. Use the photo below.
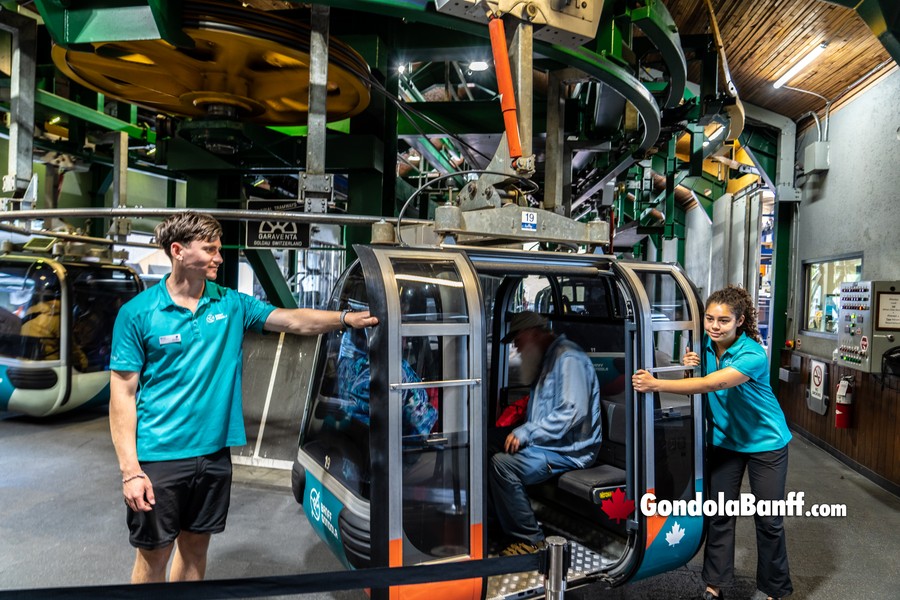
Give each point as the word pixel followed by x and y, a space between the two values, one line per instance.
pixel 817 375
pixel 529 220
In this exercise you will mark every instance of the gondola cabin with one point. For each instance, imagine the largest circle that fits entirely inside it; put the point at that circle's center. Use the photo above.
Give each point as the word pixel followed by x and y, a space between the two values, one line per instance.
pixel 391 465
pixel 56 321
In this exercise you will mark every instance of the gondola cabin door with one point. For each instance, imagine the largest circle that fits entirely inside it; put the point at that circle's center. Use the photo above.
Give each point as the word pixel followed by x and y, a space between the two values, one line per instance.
pixel 427 399
pixel 668 428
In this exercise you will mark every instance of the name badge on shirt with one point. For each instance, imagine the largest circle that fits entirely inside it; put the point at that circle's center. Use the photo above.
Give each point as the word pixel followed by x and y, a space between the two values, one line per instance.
pixel 175 338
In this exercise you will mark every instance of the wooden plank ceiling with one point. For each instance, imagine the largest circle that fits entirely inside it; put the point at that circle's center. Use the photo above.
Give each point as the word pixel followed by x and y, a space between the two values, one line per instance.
pixel 764 38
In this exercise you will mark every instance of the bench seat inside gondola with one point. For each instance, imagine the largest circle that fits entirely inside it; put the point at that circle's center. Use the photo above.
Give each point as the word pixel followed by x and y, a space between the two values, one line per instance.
pixel 593 484
pixel 608 471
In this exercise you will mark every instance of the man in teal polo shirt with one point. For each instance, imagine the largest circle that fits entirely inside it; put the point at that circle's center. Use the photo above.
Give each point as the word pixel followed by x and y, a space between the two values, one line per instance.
pixel 175 396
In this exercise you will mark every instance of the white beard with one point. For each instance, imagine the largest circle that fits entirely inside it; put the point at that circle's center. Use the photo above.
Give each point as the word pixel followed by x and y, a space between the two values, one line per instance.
pixel 530 368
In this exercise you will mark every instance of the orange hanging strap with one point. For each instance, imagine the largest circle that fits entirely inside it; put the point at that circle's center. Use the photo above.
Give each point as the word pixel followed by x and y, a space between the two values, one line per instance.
pixel 505 85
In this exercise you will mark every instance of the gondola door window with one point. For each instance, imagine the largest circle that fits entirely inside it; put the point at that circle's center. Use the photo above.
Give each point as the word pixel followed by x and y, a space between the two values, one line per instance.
pixel 435 410
pixel 673 414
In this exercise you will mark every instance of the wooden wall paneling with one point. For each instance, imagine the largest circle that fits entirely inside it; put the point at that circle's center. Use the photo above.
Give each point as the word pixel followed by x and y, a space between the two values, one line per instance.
pixel 873 440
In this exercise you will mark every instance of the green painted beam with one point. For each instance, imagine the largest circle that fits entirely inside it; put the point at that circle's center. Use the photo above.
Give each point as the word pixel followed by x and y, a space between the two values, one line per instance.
pixel 114 20
pixel 657 24
pixel 696 153
pixel 781 286
pixel 342 126
pixel 764 146
pixel 90 115
pixel 270 278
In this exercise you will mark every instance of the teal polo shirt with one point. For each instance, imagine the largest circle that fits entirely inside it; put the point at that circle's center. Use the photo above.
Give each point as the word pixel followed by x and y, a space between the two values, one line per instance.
pixel 747 417
pixel 189 394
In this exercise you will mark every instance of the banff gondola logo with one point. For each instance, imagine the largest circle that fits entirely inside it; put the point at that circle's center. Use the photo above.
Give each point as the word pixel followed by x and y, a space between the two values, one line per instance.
pixel 320 512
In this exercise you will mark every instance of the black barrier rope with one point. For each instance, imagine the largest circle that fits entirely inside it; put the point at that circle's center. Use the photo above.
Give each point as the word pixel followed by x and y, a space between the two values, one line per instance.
pixel 278 585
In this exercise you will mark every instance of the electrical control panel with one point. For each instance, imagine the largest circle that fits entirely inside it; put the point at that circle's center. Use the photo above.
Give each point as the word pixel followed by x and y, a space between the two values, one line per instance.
pixel 868 323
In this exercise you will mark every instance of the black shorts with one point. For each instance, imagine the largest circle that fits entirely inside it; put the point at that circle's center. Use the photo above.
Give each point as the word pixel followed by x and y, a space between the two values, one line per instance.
pixel 192 495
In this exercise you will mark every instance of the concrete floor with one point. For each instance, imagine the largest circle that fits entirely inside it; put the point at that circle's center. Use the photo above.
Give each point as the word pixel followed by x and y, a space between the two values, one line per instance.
pixel 62 524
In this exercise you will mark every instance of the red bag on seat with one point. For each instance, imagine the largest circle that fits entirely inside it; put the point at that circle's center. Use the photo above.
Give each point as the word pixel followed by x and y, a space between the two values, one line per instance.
pixel 513 414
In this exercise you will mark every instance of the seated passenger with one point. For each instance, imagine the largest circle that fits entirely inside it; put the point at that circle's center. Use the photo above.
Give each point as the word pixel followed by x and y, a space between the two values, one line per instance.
pixel 419 415
pixel 562 430
pixel 42 321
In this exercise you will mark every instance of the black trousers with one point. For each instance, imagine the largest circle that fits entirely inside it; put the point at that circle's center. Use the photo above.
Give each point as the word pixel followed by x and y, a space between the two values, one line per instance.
pixel 767 471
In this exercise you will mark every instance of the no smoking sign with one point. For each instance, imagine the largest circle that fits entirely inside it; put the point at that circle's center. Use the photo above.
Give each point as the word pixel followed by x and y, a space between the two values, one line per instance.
pixel 817 380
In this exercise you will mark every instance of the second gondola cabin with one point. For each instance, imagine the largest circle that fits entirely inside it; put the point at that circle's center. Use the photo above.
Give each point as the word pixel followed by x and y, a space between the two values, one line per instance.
pixel 56 320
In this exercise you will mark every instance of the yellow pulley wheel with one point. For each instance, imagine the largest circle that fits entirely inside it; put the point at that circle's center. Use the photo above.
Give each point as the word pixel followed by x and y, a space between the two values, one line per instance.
pixel 257 69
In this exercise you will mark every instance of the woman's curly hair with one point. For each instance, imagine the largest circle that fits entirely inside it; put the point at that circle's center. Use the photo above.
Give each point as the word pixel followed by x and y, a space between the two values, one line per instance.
pixel 741 303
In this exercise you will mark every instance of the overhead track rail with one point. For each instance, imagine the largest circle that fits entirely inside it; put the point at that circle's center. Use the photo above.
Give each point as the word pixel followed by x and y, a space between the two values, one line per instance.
pixel 221 214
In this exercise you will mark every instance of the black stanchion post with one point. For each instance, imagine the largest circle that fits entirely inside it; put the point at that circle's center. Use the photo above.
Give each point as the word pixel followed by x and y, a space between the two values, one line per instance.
pixel 555 574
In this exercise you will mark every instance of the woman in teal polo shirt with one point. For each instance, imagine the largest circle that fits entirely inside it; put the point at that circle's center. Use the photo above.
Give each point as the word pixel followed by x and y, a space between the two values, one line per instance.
pixel 746 431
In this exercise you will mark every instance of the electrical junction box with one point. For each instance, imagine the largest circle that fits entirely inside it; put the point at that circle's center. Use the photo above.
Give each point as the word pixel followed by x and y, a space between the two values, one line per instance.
pixel 787 193
pixel 815 158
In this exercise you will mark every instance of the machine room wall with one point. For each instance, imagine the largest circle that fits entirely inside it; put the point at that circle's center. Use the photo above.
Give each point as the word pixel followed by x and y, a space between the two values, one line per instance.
pixel 853 207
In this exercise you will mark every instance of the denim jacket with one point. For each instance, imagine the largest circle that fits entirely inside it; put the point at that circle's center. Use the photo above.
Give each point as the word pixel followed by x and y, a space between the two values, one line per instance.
pixel 564 409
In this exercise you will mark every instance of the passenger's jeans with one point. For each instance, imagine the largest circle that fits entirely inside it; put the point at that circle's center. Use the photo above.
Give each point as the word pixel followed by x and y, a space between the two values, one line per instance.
pixel 767 472
pixel 507 477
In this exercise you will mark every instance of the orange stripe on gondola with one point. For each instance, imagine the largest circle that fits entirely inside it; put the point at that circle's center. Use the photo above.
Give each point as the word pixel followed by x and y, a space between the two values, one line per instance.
pixel 464 589
pixel 654 523
pixel 475 533
pixel 395 559
pixel 395 553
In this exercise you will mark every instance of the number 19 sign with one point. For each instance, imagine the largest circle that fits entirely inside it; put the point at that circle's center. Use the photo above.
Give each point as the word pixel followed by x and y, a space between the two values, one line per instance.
pixel 529 221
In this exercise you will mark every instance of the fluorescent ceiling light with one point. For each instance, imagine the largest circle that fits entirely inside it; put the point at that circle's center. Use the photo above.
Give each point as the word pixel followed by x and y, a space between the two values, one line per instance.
pixel 801 64
pixel 478 65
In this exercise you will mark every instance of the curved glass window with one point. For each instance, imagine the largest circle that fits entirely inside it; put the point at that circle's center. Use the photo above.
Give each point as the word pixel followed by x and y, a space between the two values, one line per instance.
pixel 97 293
pixel 667 300
pixel 337 428
pixel 430 292
pixel 29 311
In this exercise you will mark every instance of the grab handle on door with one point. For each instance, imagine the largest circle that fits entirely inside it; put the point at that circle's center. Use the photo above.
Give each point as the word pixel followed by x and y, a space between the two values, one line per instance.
pixel 671 369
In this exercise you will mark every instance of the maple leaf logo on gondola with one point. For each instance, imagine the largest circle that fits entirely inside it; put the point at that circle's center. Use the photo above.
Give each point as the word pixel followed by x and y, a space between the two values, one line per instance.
pixel 617 507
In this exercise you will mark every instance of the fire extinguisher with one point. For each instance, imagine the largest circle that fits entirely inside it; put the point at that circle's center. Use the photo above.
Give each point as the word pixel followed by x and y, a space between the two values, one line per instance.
pixel 843 406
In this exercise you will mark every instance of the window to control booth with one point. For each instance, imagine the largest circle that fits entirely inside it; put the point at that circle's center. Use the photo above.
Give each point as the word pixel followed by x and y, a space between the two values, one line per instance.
pixel 822 291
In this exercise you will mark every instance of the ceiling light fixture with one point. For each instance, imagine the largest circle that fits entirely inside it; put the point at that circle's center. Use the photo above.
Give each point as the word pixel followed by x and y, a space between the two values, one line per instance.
pixel 478 65
pixel 801 64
